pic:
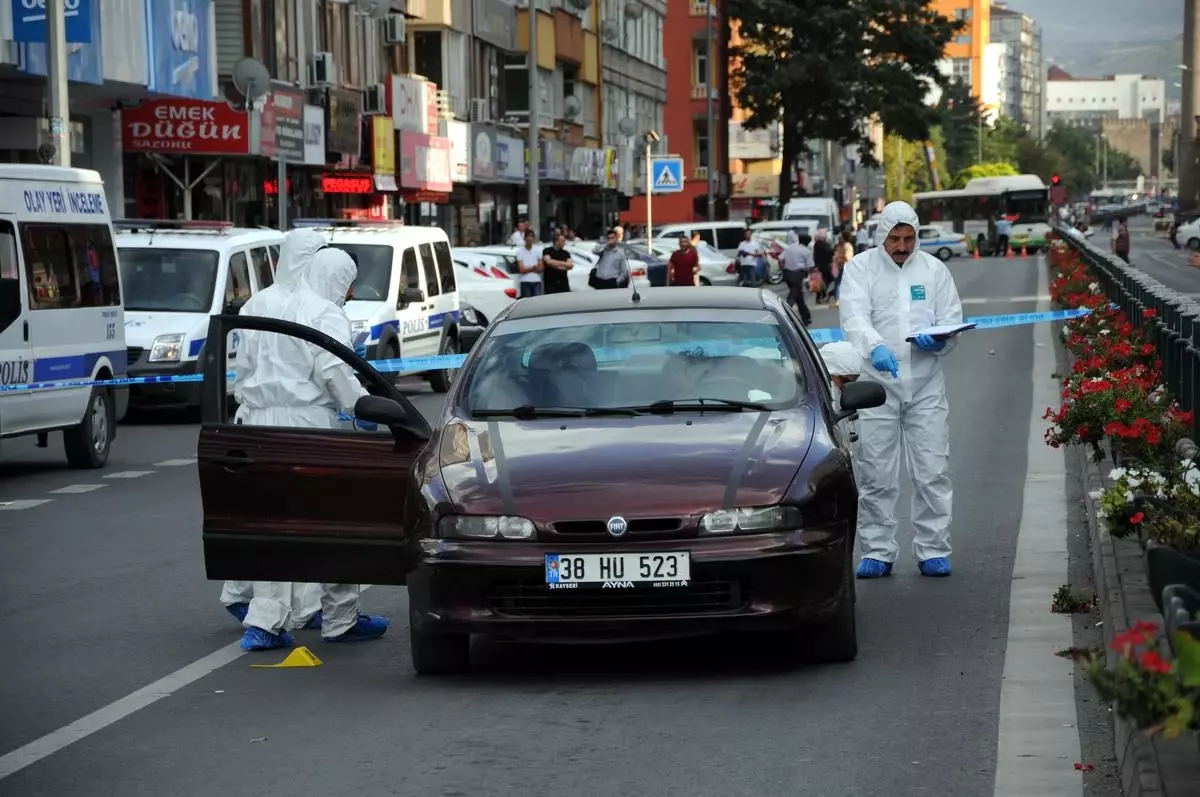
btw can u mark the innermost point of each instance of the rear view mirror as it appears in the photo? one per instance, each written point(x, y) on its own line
point(378, 409)
point(861, 395)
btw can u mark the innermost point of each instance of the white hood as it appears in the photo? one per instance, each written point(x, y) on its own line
point(894, 214)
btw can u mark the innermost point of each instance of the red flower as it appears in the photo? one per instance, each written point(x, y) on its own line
point(1147, 349)
point(1083, 433)
point(1153, 662)
point(1124, 405)
point(1137, 517)
point(1149, 312)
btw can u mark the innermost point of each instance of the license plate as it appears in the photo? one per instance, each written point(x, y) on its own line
point(618, 570)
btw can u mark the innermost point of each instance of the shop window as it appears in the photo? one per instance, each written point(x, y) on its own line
point(262, 266)
point(237, 285)
point(432, 283)
point(445, 266)
point(409, 273)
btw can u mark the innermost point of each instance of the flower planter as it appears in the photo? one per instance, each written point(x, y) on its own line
point(1166, 566)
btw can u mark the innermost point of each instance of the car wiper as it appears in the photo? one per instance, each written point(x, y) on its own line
point(528, 411)
point(667, 406)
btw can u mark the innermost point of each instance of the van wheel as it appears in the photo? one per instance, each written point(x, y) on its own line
point(391, 351)
point(441, 381)
point(88, 443)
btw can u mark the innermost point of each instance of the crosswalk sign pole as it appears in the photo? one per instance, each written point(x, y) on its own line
point(649, 197)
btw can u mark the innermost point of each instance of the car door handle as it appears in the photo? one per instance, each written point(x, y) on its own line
point(234, 459)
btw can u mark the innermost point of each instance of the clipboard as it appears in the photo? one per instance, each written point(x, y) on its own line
point(942, 332)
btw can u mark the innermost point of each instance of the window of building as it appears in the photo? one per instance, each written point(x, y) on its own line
point(963, 14)
point(964, 39)
point(700, 137)
point(516, 84)
point(700, 65)
point(960, 70)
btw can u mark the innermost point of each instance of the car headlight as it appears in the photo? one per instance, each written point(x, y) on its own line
point(750, 520)
point(470, 317)
point(486, 527)
point(166, 349)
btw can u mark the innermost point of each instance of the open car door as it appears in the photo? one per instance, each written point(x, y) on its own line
point(286, 503)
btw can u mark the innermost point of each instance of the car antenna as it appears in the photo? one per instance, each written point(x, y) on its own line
point(637, 297)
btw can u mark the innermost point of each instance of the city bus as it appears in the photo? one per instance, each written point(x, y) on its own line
point(1023, 199)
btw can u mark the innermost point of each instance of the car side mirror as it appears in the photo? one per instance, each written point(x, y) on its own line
point(413, 296)
point(861, 396)
point(378, 409)
point(232, 307)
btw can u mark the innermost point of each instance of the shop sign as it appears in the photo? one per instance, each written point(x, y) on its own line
point(288, 104)
point(553, 164)
point(459, 135)
point(408, 101)
point(314, 135)
point(495, 22)
point(483, 153)
point(425, 162)
point(264, 124)
point(343, 128)
point(179, 47)
point(29, 20)
point(383, 152)
point(192, 127)
point(347, 184)
point(755, 185)
point(580, 164)
point(510, 159)
point(85, 61)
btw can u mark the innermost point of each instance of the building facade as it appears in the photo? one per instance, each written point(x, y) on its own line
point(967, 52)
point(1024, 75)
point(1089, 102)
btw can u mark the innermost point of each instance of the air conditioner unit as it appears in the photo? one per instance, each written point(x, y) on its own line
point(445, 108)
point(375, 100)
point(394, 29)
point(481, 110)
point(321, 71)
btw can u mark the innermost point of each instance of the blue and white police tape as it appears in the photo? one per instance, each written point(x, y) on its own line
point(413, 365)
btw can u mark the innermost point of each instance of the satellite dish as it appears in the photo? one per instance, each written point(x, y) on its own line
point(373, 9)
point(571, 107)
point(250, 82)
point(611, 29)
point(627, 126)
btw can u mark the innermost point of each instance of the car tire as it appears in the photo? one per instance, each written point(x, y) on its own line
point(1194, 244)
point(944, 254)
point(439, 654)
point(88, 443)
point(836, 640)
point(775, 277)
point(441, 381)
point(391, 351)
point(704, 283)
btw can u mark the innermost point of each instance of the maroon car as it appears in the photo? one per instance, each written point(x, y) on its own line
point(608, 465)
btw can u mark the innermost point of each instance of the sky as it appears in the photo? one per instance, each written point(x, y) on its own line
point(1065, 22)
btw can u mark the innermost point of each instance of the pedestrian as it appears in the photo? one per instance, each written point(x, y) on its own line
point(823, 257)
point(889, 294)
point(284, 381)
point(862, 239)
point(556, 262)
point(530, 267)
point(796, 260)
point(748, 253)
point(684, 265)
point(1120, 239)
point(612, 270)
point(517, 239)
point(1003, 230)
point(843, 253)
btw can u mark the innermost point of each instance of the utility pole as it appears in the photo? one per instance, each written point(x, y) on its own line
point(1186, 166)
point(711, 171)
point(534, 201)
point(56, 79)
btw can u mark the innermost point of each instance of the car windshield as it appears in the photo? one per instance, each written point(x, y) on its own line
point(607, 361)
point(168, 280)
point(817, 219)
point(374, 263)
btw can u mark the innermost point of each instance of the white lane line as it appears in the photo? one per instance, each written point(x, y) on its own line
point(25, 503)
point(175, 463)
point(76, 489)
point(128, 474)
point(1038, 740)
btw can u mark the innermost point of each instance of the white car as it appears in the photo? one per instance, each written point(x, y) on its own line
point(582, 253)
point(486, 293)
point(1189, 235)
point(941, 242)
point(716, 268)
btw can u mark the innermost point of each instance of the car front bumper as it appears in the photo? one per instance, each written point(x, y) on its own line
point(738, 583)
point(164, 394)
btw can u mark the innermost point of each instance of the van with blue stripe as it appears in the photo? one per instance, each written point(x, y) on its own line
point(61, 313)
point(404, 302)
point(176, 275)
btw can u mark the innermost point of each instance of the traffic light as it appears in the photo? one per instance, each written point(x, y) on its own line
point(1055, 180)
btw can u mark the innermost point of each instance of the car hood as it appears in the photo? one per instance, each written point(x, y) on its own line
point(652, 466)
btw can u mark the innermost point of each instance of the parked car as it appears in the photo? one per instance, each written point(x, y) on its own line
point(716, 268)
point(515, 514)
point(942, 242)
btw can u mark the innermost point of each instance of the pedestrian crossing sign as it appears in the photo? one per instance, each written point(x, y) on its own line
point(667, 174)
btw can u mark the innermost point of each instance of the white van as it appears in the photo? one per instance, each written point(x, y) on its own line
point(823, 211)
point(176, 275)
point(61, 318)
point(405, 300)
point(724, 236)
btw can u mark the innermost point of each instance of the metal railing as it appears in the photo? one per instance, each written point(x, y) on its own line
point(1175, 328)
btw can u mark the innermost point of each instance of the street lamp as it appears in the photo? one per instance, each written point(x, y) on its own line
point(651, 138)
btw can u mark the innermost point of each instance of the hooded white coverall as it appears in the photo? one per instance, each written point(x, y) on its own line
point(284, 381)
point(883, 303)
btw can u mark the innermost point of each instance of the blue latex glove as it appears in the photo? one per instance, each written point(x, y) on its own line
point(929, 343)
point(884, 361)
point(366, 426)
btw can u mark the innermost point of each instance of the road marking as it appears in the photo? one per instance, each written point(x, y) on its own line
point(129, 474)
point(25, 503)
point(1038, 736)
point(175, 463)
point(75, 489)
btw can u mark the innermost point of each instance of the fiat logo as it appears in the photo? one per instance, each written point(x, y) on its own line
point(617, 526)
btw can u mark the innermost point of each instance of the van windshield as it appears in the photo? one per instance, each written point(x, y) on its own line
point(818, 220)
point(168, 280)
point(374, 263)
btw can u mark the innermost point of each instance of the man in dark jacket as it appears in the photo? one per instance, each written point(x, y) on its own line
point(823, 259)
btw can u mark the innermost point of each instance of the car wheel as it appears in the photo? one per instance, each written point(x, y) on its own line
point(775, 277)
point(441, 381)
point(439, 654)
point(944, 254)
point(88, 443)
point(1194, 244)
point(836, 640)
point(704, 283)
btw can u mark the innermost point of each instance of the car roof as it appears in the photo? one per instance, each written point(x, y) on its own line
point(228, 238)
point(383, 234)
point(711, 298)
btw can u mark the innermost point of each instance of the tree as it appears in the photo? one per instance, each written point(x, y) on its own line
point(904, 166)
point(823, 68)
point(961, 120)
point(993, 169)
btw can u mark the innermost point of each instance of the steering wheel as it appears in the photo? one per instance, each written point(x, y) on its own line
point(187, 302)
point(727, 387)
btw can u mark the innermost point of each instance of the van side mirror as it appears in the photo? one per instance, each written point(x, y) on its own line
point(861, 395)
point(378, 409)
point(234, 306)
point(413, 296)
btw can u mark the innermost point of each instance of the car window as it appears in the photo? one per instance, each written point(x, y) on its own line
point(262, 266)
point(70, 265)
point(445, 266)
point(608, 360)
point(274, 254)
point(729, 237)
point(432, 283)
point(237, 285)
point(410, 274)
point(374, 264)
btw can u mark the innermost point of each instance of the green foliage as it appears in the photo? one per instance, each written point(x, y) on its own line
point(962, 125)
point(913, 175)
point(993, 169)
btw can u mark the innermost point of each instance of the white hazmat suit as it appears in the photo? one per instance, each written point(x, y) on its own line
point(883, 303)
point(284, 381)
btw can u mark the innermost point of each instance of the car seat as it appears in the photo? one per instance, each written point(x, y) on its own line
point(563, 374)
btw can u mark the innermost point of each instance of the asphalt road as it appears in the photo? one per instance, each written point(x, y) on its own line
point(105, 595)
point(1152, 252)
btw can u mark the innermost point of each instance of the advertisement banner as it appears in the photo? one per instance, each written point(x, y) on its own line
point(408, 102)
point(552, 165)
point(85, 62)
point(459, 135)
point(383, 152)
point(510, 159)
point(193, 127)
point(29, 21)
point(179, 48)
point(343, 129)
point(262, 130)
point(483, 153)
point(288, 104)
point(755, 185)
point(314, 135)
point(425, 162)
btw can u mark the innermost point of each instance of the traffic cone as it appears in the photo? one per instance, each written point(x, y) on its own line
point(1010, 251)
point(1024, 252)
point(977, 255)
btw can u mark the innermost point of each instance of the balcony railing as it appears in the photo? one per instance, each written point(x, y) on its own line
point(697, 8)
point(700, 173)
point(699, 92)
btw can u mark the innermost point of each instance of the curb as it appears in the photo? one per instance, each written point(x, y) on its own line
point(1148, 766)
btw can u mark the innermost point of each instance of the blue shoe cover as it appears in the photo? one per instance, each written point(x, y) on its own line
point(873, 568)
point(238, 610)
point(258, 639)
point(367, 627)
point(937, 567)
point(314, 622)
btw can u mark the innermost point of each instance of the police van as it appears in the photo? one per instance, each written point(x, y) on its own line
point(61, 318)
point(404, 302)
point(176, 275)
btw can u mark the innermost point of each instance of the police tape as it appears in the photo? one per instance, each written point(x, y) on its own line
point(416, 365)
